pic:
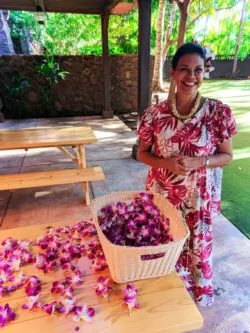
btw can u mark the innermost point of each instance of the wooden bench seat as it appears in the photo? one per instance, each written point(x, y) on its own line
point(47, 178)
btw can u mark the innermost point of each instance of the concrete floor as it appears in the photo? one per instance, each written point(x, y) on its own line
point(64, 203)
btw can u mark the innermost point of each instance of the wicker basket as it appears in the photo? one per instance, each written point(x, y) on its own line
point(125, 262)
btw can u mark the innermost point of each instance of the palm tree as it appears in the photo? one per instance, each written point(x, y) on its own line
point(239, 39)
point(157, 84)
point(183, 7)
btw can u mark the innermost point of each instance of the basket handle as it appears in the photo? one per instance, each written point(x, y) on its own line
point(152, 256)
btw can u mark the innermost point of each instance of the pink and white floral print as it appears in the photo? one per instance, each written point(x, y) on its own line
point(198, 193)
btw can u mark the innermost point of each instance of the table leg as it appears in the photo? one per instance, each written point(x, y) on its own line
point(81, 156)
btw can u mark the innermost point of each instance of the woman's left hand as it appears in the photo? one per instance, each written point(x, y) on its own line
point(193, 162)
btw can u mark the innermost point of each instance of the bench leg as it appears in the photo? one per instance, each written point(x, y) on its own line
point(80, 153)
point(85, 188)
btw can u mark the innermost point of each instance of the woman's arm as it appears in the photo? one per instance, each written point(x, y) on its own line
point(171, 163)
point(223, 156)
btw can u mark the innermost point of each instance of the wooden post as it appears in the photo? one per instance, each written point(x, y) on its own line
point(144, 76)
point(107, 112)
point(81, 157)
point(144, 55)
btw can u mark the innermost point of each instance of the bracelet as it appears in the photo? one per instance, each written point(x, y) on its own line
point(206, 164)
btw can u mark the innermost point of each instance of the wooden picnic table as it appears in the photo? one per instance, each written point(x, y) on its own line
point(45, 137)
point(166, 306)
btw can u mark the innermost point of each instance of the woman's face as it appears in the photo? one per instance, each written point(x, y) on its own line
point(188, 74)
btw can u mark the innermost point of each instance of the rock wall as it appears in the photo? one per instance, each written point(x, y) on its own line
point(81, 93)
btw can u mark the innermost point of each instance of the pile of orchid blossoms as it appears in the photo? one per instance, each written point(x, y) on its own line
point(58, 249)
point(136, 222)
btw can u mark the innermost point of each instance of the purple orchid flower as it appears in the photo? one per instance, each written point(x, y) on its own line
point(50, 308)
point(83, 313)
point(103, 287)
point(75, 278)
point(6, 315)
point(130, 297)
point(32, 302)
point(57, 287)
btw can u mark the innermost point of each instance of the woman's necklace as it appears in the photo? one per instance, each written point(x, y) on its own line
point(192, 112)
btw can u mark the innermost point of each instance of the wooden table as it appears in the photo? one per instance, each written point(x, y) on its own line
point(59, 137)
point(166, 306)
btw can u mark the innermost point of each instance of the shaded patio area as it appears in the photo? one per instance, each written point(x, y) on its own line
point(64, 203)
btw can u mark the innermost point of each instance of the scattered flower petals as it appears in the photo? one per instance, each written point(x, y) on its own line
point(57, 288)
point(68, 267)
point(83, 313)
point(185, 276)
point(103, 287)
point(64, 246)
point(99, 263)
point(130, 297)
point(67, 305)
point(32, 303)
point(75, 278)
point(33, 286)
point(6, 314)
point(68, 292)
point(50, 308)
point(3, 291)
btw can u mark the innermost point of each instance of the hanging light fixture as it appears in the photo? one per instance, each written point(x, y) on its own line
point(124, 7)
point(40, 15)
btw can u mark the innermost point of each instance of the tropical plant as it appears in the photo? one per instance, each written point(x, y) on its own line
point(22, 22)
point(16, 87)
point(50, 71)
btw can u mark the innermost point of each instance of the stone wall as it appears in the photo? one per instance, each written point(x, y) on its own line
point(81, 93)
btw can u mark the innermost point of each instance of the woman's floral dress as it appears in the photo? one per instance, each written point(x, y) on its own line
point(198, 193)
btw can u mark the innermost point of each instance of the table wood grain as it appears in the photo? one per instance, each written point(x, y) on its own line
point(39, 137)
point(166, 306)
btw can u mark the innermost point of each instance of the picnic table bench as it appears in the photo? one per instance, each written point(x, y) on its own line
point(45, 137)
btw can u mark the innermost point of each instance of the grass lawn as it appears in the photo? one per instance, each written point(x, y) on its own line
point(236, 177)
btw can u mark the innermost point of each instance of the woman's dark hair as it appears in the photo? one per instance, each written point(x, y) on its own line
point(188, 48)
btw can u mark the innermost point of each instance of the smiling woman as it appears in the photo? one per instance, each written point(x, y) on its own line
point(186, 140)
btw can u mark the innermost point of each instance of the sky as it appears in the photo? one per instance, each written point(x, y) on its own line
point(215, 20)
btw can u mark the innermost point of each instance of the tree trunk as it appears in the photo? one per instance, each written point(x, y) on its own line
point(169, 42)
point(183, 7)
point(157, 82)
point(165, 51)
point(242, 19)
point(182, 28)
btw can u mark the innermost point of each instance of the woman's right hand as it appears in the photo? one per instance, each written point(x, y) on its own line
point(174, 164)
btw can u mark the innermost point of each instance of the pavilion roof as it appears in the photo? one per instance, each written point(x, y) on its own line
point(65, 6)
